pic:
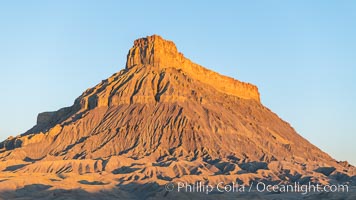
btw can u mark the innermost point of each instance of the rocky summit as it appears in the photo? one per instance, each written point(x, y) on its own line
point(161, 119)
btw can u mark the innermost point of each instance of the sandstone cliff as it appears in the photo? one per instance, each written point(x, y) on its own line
point(155, 51)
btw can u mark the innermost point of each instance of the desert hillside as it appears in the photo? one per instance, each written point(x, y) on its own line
point(161, 119)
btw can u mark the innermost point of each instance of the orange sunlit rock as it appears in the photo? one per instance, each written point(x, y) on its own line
point(161, 119)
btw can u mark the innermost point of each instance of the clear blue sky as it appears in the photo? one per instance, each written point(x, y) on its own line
point(301, 55)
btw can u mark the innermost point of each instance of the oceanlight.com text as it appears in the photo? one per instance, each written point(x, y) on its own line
point(201, 187)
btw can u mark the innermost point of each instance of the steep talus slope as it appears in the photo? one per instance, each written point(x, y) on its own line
point(163, 118)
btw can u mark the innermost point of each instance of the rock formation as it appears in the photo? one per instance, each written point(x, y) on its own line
point(164, 118)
